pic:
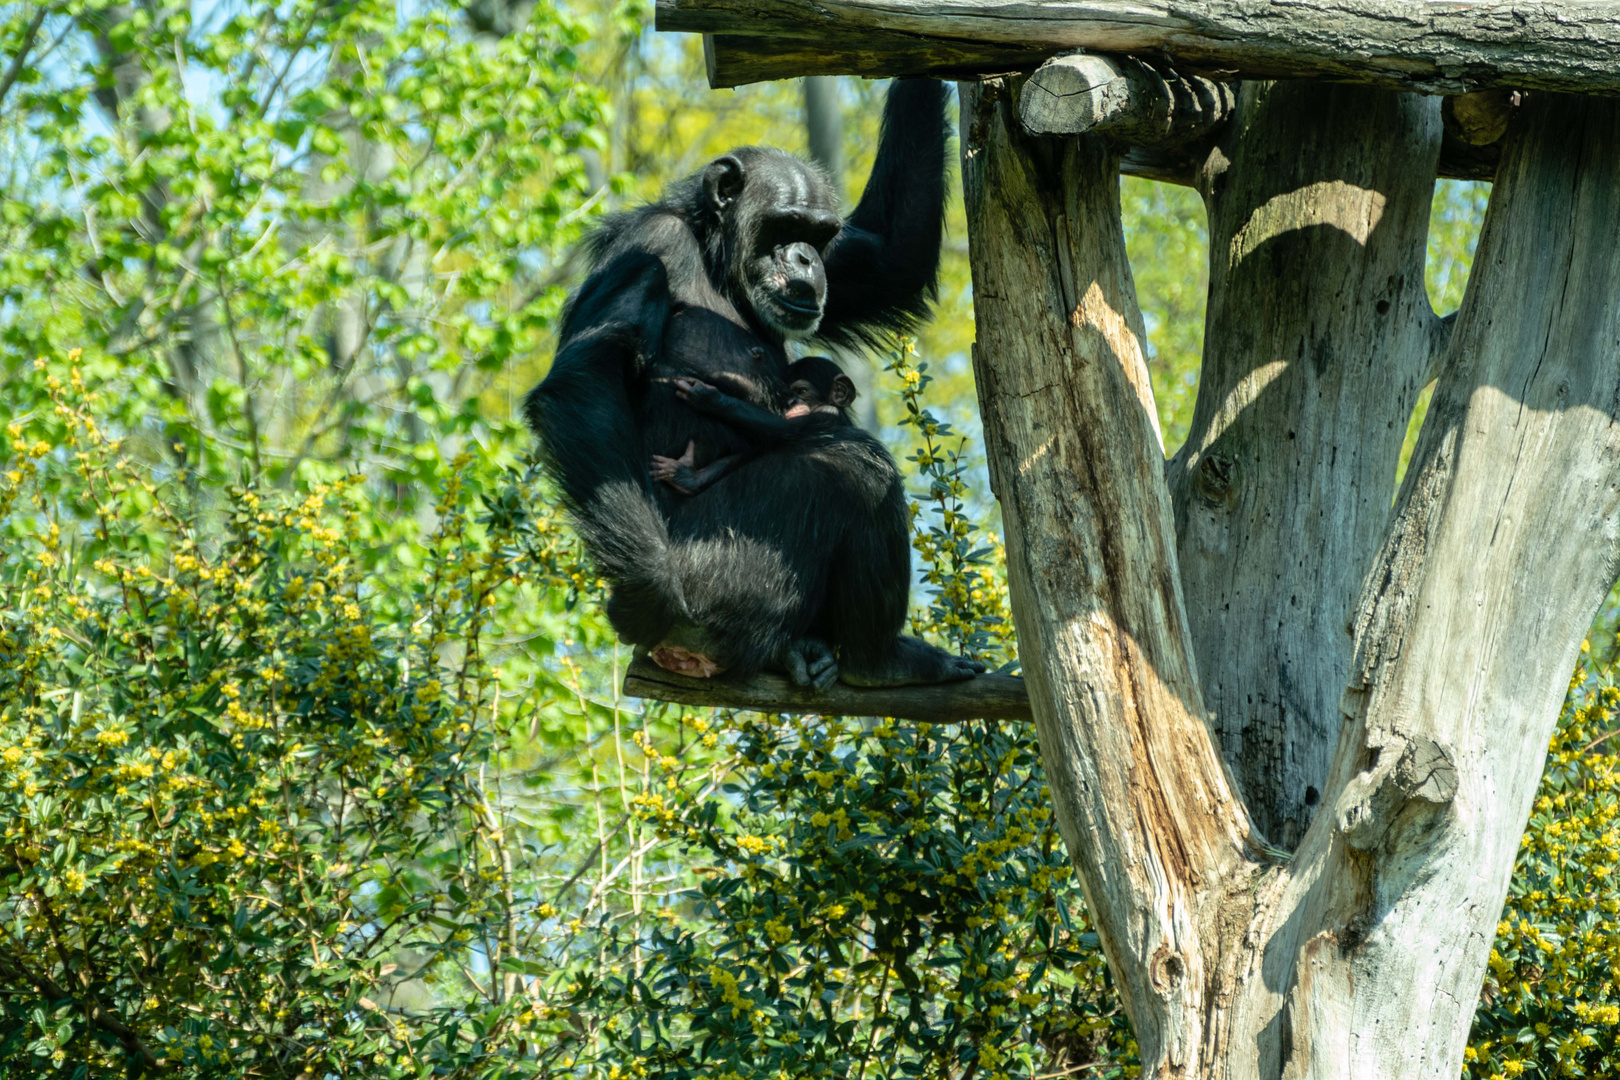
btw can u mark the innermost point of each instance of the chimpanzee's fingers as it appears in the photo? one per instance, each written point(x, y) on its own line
point(798, 671)
point(828, 676)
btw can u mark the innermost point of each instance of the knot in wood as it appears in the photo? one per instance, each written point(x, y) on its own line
point(1411, 790)
point(1215, 481)
point(1167, 970)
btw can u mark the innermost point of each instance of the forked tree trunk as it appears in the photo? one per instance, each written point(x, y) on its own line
point(1319, 337)
point(1384, 680)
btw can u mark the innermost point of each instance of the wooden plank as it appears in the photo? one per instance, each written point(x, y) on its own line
point(1434, 46)
point(740, 59)
point(987, 697)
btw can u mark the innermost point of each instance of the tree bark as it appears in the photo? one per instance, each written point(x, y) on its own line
point(1318, 338)
point(1505, 541)
point(1438, 687)
point(1130, 101)
point(1142, 796)
point(824, 127)
point(1433, 47)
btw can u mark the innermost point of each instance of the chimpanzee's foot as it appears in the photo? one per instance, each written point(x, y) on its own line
point(683, 662)
point(909, 662)
point(810, 662)
point(685, 651)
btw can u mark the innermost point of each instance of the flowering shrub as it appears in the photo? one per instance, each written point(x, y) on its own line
point(243, 812)
point(272, 804)
point(1551, 1003)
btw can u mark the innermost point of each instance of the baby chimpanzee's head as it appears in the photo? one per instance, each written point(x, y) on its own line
point(818, 384)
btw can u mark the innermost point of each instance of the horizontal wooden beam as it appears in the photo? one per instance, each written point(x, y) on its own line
point(986, 697)
point(1433, 46)
point(740, 59)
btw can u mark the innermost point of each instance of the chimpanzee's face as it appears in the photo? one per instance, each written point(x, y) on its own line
point(779, 215)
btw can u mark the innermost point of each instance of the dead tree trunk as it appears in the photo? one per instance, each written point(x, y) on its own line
point(1384, 681)
point(1318, 339)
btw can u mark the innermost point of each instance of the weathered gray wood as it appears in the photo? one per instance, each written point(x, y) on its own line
point(1122, 97)
point(1143, 800)
point(1180, 164)
point(1506, 539)
point(1362, 957)
point(1435, 46)
point(1318, 340)
point(987, 697)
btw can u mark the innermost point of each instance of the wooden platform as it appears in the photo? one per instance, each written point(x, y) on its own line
point(985, 697)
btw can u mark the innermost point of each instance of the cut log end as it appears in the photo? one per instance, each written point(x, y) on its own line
point(985, 697)
point(1131, 100)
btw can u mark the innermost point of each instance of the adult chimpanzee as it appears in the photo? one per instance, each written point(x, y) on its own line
point(819, 401)
point(801, 550)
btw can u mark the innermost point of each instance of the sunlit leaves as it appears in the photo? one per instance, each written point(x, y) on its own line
point(1551, 1004)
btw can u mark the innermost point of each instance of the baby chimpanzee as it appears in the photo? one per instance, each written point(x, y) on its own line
point(822, 395)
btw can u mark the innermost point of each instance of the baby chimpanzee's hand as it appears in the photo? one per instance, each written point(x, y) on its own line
point(697, 393)
point(676, 472)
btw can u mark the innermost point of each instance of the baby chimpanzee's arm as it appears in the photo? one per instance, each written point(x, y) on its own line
point(679, 474)
point(764, 429)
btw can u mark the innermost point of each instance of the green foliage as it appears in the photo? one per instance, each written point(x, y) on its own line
point(1551, 1003)
point(872, 899)
point(309, 235)
point(1167, 239)
point(243, 789)
point(312, 755)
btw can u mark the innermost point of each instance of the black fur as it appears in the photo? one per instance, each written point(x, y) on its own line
point(806, 539)
point(821, 393)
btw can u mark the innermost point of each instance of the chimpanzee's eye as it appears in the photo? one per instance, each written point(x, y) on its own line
point(813, 227)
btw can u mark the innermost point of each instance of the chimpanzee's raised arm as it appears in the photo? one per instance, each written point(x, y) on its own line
point(883, 266)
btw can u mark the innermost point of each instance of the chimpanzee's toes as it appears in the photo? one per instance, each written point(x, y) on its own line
point(908, 661)
point(810, 662)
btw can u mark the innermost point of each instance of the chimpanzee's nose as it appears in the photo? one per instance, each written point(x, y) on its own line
point(804, 281)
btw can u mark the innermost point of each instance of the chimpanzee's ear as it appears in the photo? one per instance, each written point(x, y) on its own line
point(722, 182)
point(843, 391)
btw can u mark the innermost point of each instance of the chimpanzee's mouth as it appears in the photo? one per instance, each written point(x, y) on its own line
point(809, 311)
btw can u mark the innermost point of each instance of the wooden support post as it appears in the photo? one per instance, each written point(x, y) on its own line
point(1143, 800)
